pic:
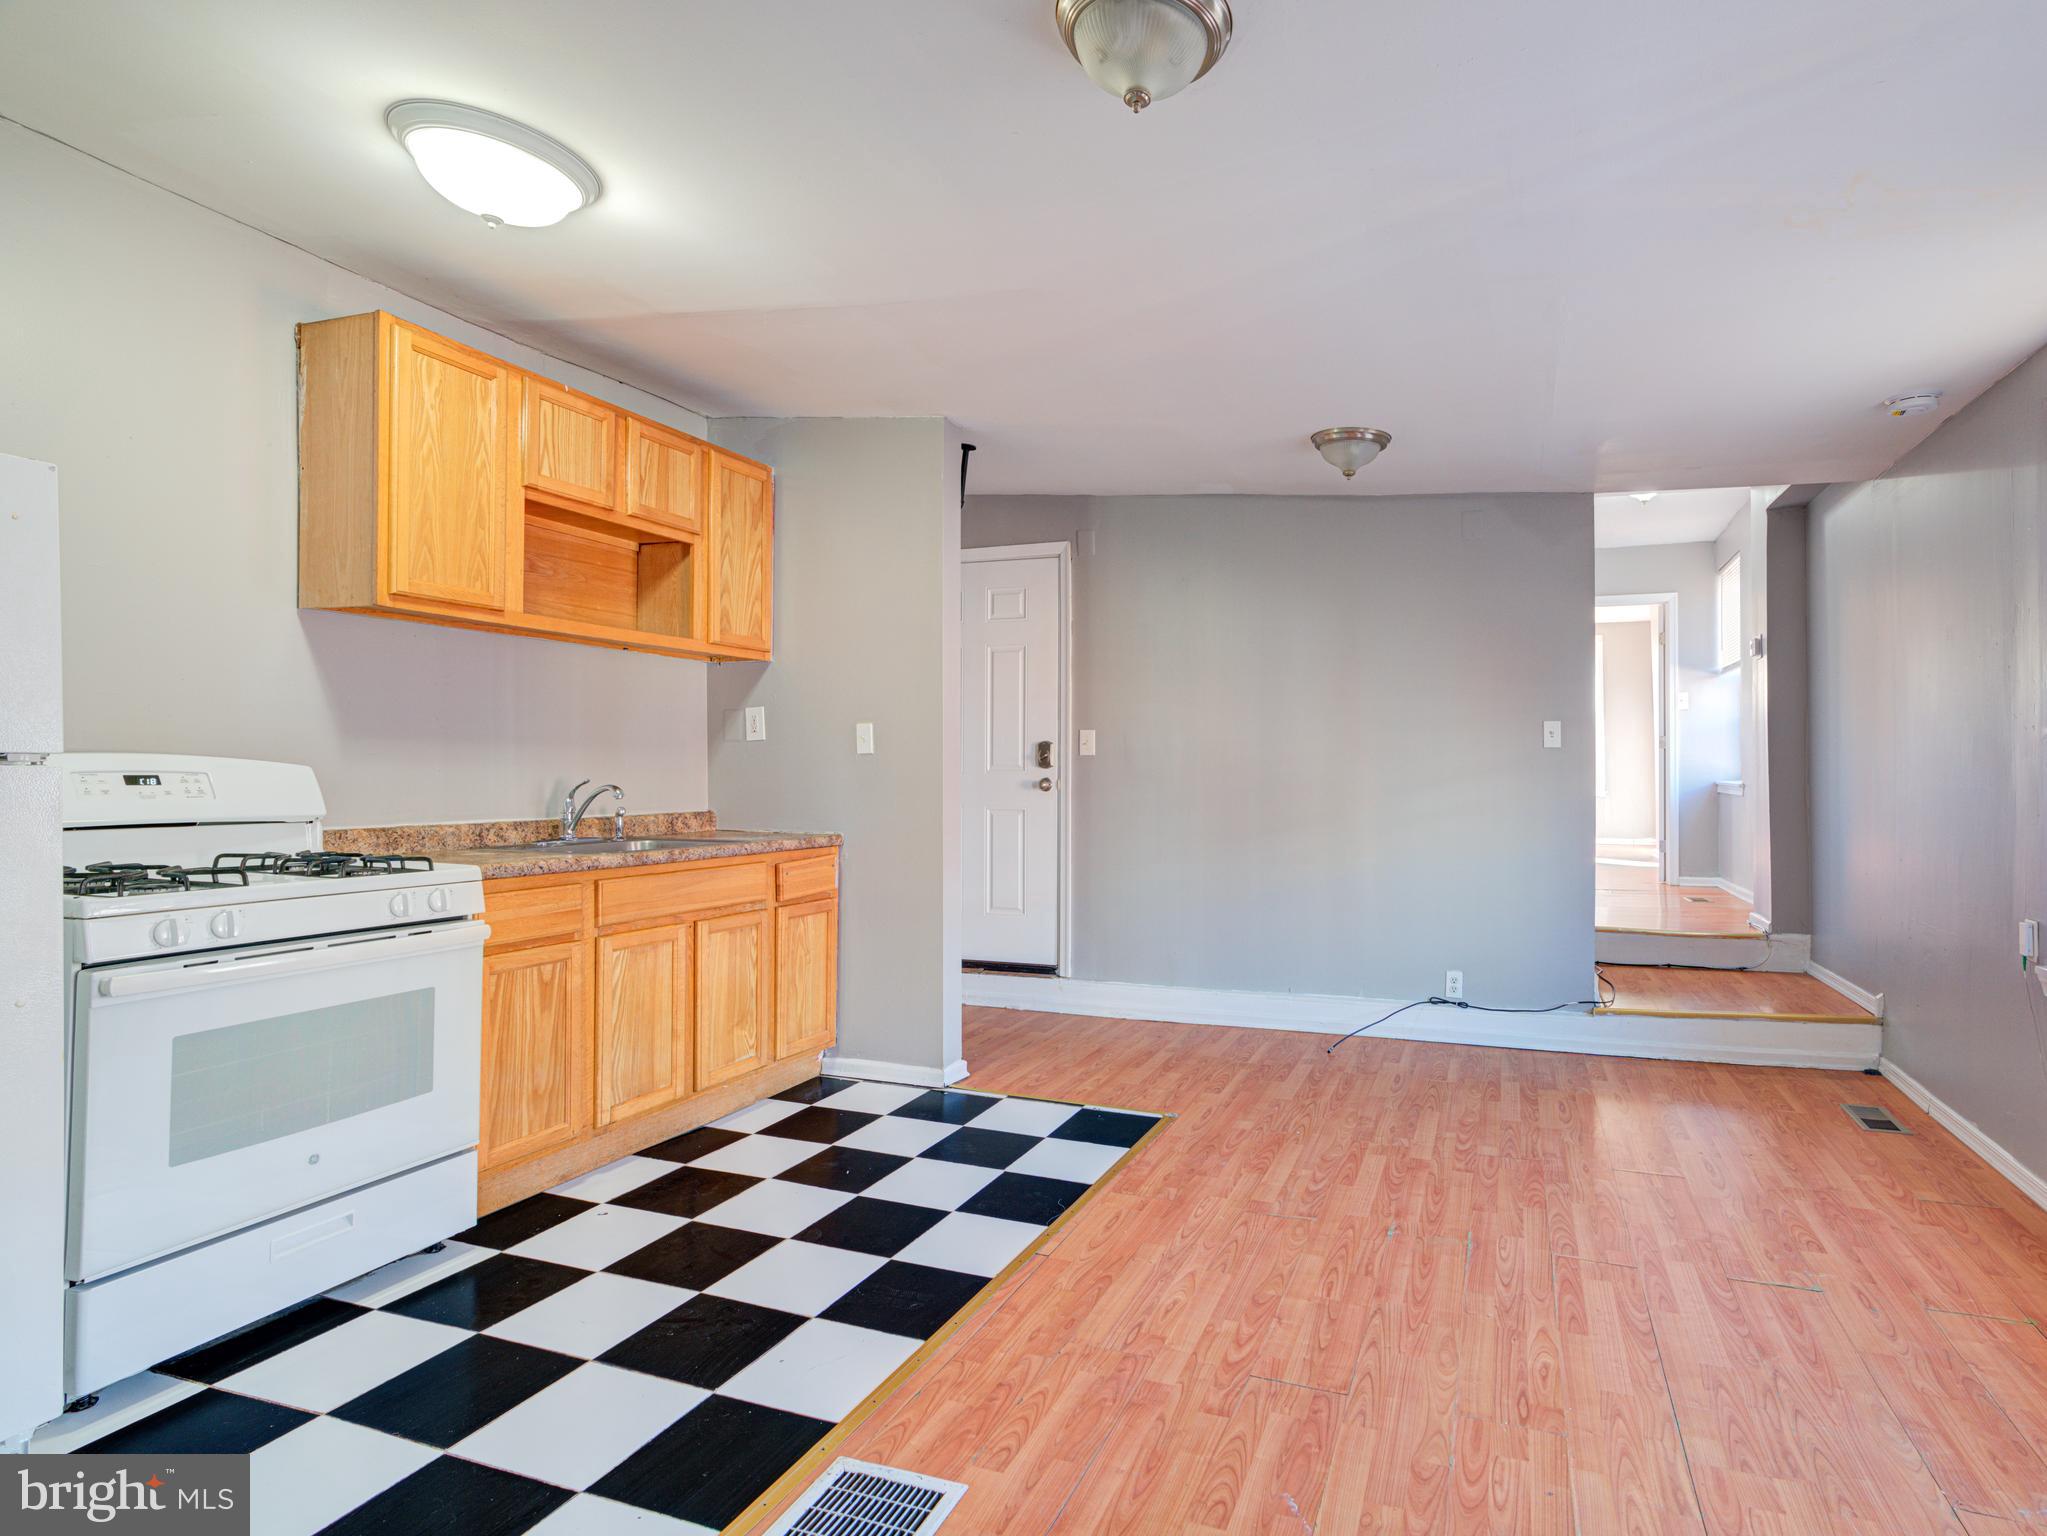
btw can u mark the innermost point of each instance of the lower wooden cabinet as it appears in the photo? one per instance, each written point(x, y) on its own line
point(643, 1012)
point(536, 1050)
point(617, 999)
point(806, 976)
point(733, 981)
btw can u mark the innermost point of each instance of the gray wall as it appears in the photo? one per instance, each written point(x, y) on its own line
point(1627, 810)
point(1785, 703)
point(149, 355)
point(1320, 761)
point(866, 629)
point(1925, 629)
point(1709, 729)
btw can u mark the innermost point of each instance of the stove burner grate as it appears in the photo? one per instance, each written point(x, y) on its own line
point(315, 865)
point(140, 879)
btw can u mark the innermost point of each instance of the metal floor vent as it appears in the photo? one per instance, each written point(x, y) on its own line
point(858, 1498)
point(1870, 1118)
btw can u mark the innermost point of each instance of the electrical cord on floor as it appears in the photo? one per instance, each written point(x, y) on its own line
point(1458, 1002)
point(1763, 964)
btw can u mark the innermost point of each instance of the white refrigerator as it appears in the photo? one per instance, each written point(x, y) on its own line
point(32, 1078)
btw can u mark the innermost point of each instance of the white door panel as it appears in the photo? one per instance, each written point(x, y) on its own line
point(1011, 630)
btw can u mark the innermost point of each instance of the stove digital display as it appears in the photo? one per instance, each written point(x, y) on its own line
point(141, 778)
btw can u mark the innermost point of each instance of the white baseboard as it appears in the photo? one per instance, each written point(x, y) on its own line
point(1751, 1042)
point(1873, 1001)
point(1739, 892)
point(1967, 1132)
point(892, 1071)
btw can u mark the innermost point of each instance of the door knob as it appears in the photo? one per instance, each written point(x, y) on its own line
point(1045, 785)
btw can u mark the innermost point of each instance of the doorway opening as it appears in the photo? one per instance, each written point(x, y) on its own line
point(1635, 822)
point(1016, 606)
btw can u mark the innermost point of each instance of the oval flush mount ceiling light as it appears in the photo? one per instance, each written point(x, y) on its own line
point(500, 170)
point(1350, 449)
point(1142, 51)
point(1644, 497)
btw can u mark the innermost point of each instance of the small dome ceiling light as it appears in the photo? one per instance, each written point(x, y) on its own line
point(1925, 401)
point(1142, 51)
point(1350, 449)
point(491, 166)
point(1644, 497)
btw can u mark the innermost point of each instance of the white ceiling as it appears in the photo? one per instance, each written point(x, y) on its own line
point(1674, 517)
point(1593, 244)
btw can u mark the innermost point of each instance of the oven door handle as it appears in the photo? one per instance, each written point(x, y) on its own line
point(191, 978)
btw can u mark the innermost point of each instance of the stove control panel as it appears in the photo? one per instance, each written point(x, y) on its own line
point(141, 787)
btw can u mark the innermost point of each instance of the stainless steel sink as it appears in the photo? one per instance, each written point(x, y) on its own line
point(631, 844)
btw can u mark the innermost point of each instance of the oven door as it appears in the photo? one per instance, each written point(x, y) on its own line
point(214, 1091)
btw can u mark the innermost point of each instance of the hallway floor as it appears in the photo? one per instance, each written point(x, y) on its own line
point(1426, 1288)
point(1630, 897)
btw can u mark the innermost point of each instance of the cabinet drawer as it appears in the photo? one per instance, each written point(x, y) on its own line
point(535, 913)
point(800, 879)
point(630, 898)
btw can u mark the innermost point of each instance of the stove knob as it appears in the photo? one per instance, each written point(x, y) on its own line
point(226, 925)
point(166, 933)
point(437, 898)
point(401, 904)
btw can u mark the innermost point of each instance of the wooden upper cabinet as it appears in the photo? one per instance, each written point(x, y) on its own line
point(742, 544)
point(734, 982)
point(450, 468)
point(536, 1051)
point(571, 444)
point(442, 484)
point(643, 1012)
point(806, 976)
point(664, 476)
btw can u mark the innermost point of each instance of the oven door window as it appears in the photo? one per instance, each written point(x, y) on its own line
point(243, 1084)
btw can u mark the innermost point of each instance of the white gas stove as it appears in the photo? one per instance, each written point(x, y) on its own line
point(273, 1052)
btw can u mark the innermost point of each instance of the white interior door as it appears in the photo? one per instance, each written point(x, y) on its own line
point(1012, 779)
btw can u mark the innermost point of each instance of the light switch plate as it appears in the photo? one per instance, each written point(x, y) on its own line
point(1684, 701)
point(863, 738)
point(1552, 733)
point(1087, 743)
point(756, 722)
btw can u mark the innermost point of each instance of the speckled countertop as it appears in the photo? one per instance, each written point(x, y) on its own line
point(491, 845)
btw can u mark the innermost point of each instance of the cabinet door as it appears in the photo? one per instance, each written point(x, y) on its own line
point(643, 983)
point(806, 977)
point(536, 1050)
point(571, 444)
point(742, 539)
point(450, 492)
point(664, 476)
point(733, 982)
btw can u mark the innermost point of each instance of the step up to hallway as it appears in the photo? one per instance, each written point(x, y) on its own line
point(1751, 949)
point(1683, 992)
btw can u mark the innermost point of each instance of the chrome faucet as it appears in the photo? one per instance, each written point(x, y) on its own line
point(572, 813)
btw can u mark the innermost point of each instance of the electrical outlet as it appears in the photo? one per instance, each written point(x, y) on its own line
point(1552, 733)
point(863, 738)
point(1453, 984)
point(2029, 943)
point(1087, 743)
point(756, 722)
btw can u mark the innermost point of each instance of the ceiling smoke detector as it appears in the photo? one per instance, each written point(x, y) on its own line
point(1913, 405)
point(1142, 51)
point(500, 170)
point(1350, 449)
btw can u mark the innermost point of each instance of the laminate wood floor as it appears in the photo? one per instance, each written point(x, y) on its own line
point(1691, 992)
point(1420, 1288)
point(1628, 897)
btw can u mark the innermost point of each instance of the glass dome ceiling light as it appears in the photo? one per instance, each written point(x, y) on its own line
point(1142, 51)
point(491, 166)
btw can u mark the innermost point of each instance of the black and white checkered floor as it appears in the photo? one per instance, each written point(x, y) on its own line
point(647, 1347)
